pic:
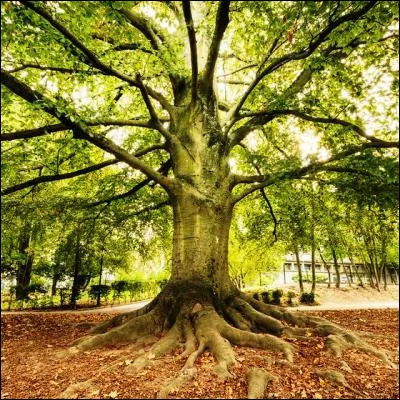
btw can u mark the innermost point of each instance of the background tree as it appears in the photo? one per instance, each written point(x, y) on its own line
point(155, 71)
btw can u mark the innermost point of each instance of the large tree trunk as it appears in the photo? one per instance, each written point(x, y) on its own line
point(200, 244)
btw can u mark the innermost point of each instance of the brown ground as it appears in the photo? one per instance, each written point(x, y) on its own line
point(31, 370)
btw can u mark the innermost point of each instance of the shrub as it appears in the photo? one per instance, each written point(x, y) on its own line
point(307, 298)
point(276, 296)
point(266, 296)
point(119, 287)
point(134, 288)
point(290, 295)
point(103, 290)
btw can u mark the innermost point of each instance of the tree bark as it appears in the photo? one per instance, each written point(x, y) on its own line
point(200, 244)
point(56, 278)
point(336, 265)
point(25, 268)
point(75, 282)
point(313, 284)
point(328, 268)
point(296, 252)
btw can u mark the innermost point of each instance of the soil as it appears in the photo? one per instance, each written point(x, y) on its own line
point(30, 368)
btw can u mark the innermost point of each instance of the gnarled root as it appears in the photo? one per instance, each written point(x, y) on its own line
point(336, 377)
point(193, 319)
point(338, 339)
point(257, 381)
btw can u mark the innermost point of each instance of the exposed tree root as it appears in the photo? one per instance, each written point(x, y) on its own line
point(257, 381)
point(184, 376)
point(194, 321)
point(336, 378)
point(165, 345)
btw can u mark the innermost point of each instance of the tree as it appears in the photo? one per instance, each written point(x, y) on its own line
point(155, 69)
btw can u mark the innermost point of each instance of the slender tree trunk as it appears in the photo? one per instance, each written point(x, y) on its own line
point(100, 273)
point(296, 252)
point(346, 273)
point(397, 277)
point(355, 269)
point(328, 268)
point(336, 265)
point(56, 278)
point(75, 282)
point(374, 272)
point(384, 276)
point(25, 268)
point(313, 264)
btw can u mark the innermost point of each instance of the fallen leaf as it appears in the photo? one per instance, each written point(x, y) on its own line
point(113, 394)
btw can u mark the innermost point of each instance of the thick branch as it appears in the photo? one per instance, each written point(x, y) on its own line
point(163, 170)
point(30, 133)
point(50, 68)
point(221, 23)
point(79, 129)
point(268, 180)
point(237, 70)
point(302, 54)
point(58, 177)
point(336, 121)
point(90, 57)
point(193, 47)
point(154, 121)
point(144, 26)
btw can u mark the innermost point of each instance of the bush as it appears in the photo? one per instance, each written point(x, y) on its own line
point(276, 296)
point(103, 290)
point(266, 296)
point(307, 298)
point(290, 296)
point(119, 287)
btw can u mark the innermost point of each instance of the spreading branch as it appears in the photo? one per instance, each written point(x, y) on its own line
point(268, 115)
point(30, 133)
point(221, 23)
point(301, 54)
point(80, 130)
point(297, 173)
point(187, 12)
point(58, 177)
point(165, 167)
point(154, 119)
point(51, 68)
point(91, 58)
point(145, 26)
